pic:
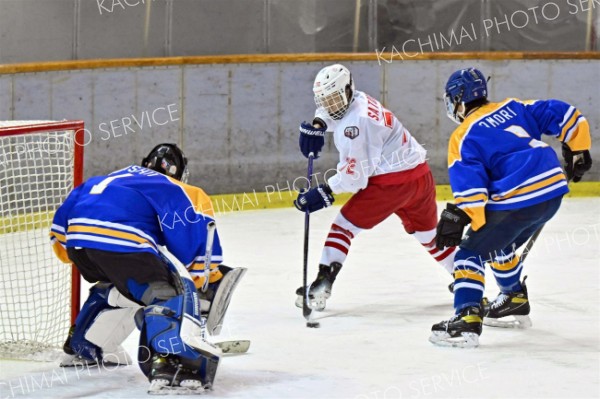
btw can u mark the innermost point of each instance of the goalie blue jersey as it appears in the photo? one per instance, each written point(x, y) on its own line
point(135, 210)
point(496, 160)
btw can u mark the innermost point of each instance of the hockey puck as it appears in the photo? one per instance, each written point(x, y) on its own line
point(313, 324)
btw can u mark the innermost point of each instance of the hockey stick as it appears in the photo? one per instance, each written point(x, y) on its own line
point(210, 235)
point(234, 346)
point(306, 310)
point(533, 239)
point(530, 243)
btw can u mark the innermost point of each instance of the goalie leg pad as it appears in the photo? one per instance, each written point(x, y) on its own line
point(100, 328)
point(76, 343)
point(168, 332)
point(108, 332)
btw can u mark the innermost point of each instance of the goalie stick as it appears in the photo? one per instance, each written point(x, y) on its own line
point(210, 235)
point(233, 346)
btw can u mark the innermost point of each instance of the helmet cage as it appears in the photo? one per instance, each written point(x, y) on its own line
point(336, 103)
point(333, 90)
point(169, 160)
point(453, 107)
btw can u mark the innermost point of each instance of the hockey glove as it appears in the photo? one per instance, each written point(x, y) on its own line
point(450, 227)
point(312, 138)
point(314, 199)
point(576, 163)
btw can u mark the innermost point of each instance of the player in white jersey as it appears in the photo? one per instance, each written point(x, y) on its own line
point(381, 163)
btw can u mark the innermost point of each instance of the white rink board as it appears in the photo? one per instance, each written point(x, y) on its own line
point(373, 337)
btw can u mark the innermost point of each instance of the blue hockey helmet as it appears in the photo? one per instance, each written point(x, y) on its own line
point(169, 160)
point(463, 87)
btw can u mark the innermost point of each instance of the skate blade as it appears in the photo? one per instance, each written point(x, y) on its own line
point(187, 387)
point(316, 304)
point(466, 340)
point(520, 322)
point(76, 361)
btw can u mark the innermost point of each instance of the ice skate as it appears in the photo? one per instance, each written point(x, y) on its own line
point(320, 289)
point(462, 330)
point(510, 310)
point(169, 377)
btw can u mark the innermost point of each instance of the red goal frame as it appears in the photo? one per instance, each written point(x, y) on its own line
point(78, 127)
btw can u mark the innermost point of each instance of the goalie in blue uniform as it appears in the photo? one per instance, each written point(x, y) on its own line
point(144, 236)
point(506, 184)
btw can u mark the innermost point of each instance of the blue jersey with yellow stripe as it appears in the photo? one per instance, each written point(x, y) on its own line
point(496, 160)
point(135, 210)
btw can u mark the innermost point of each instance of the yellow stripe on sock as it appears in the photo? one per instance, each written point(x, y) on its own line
point(505, 266)
point(470, 275)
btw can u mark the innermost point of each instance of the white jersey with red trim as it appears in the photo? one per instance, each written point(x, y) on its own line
point(371, 141)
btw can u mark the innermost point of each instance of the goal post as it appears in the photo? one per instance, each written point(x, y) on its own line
point(40, 163)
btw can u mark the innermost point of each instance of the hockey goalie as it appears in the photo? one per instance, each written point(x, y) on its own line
point(147, 240)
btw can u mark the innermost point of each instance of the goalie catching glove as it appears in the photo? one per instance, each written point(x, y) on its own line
point(450, 227)
point(314, 199)
point(576, 163)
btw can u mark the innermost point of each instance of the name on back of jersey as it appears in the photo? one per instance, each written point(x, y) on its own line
point(499, 117)
point(142, 171)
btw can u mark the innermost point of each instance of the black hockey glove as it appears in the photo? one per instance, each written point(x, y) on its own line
point(576, 162)
point(314, 199)
point(450, 227)
point(312, 138)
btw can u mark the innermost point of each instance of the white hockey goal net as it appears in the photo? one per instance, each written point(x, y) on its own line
point(40, 163)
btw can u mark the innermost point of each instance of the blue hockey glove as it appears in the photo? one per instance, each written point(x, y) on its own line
point(576, 163)
point(450, 227)
point(314, 199)
point(312, 138)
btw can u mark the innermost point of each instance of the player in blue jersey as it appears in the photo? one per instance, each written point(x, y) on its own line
point(114, 229)
point(506, 184)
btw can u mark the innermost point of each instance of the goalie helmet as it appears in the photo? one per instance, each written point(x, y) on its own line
point(334, 89)
point(169, 160)
point(463, 87)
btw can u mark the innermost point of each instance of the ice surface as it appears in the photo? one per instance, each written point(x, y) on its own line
point(373, 337)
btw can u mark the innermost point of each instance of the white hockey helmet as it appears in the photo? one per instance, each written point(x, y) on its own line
point(334, 89)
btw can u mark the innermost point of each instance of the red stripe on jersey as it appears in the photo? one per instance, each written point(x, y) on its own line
point(340, 236)
point(445, 254)
point(337, 246)
point(343, 230)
